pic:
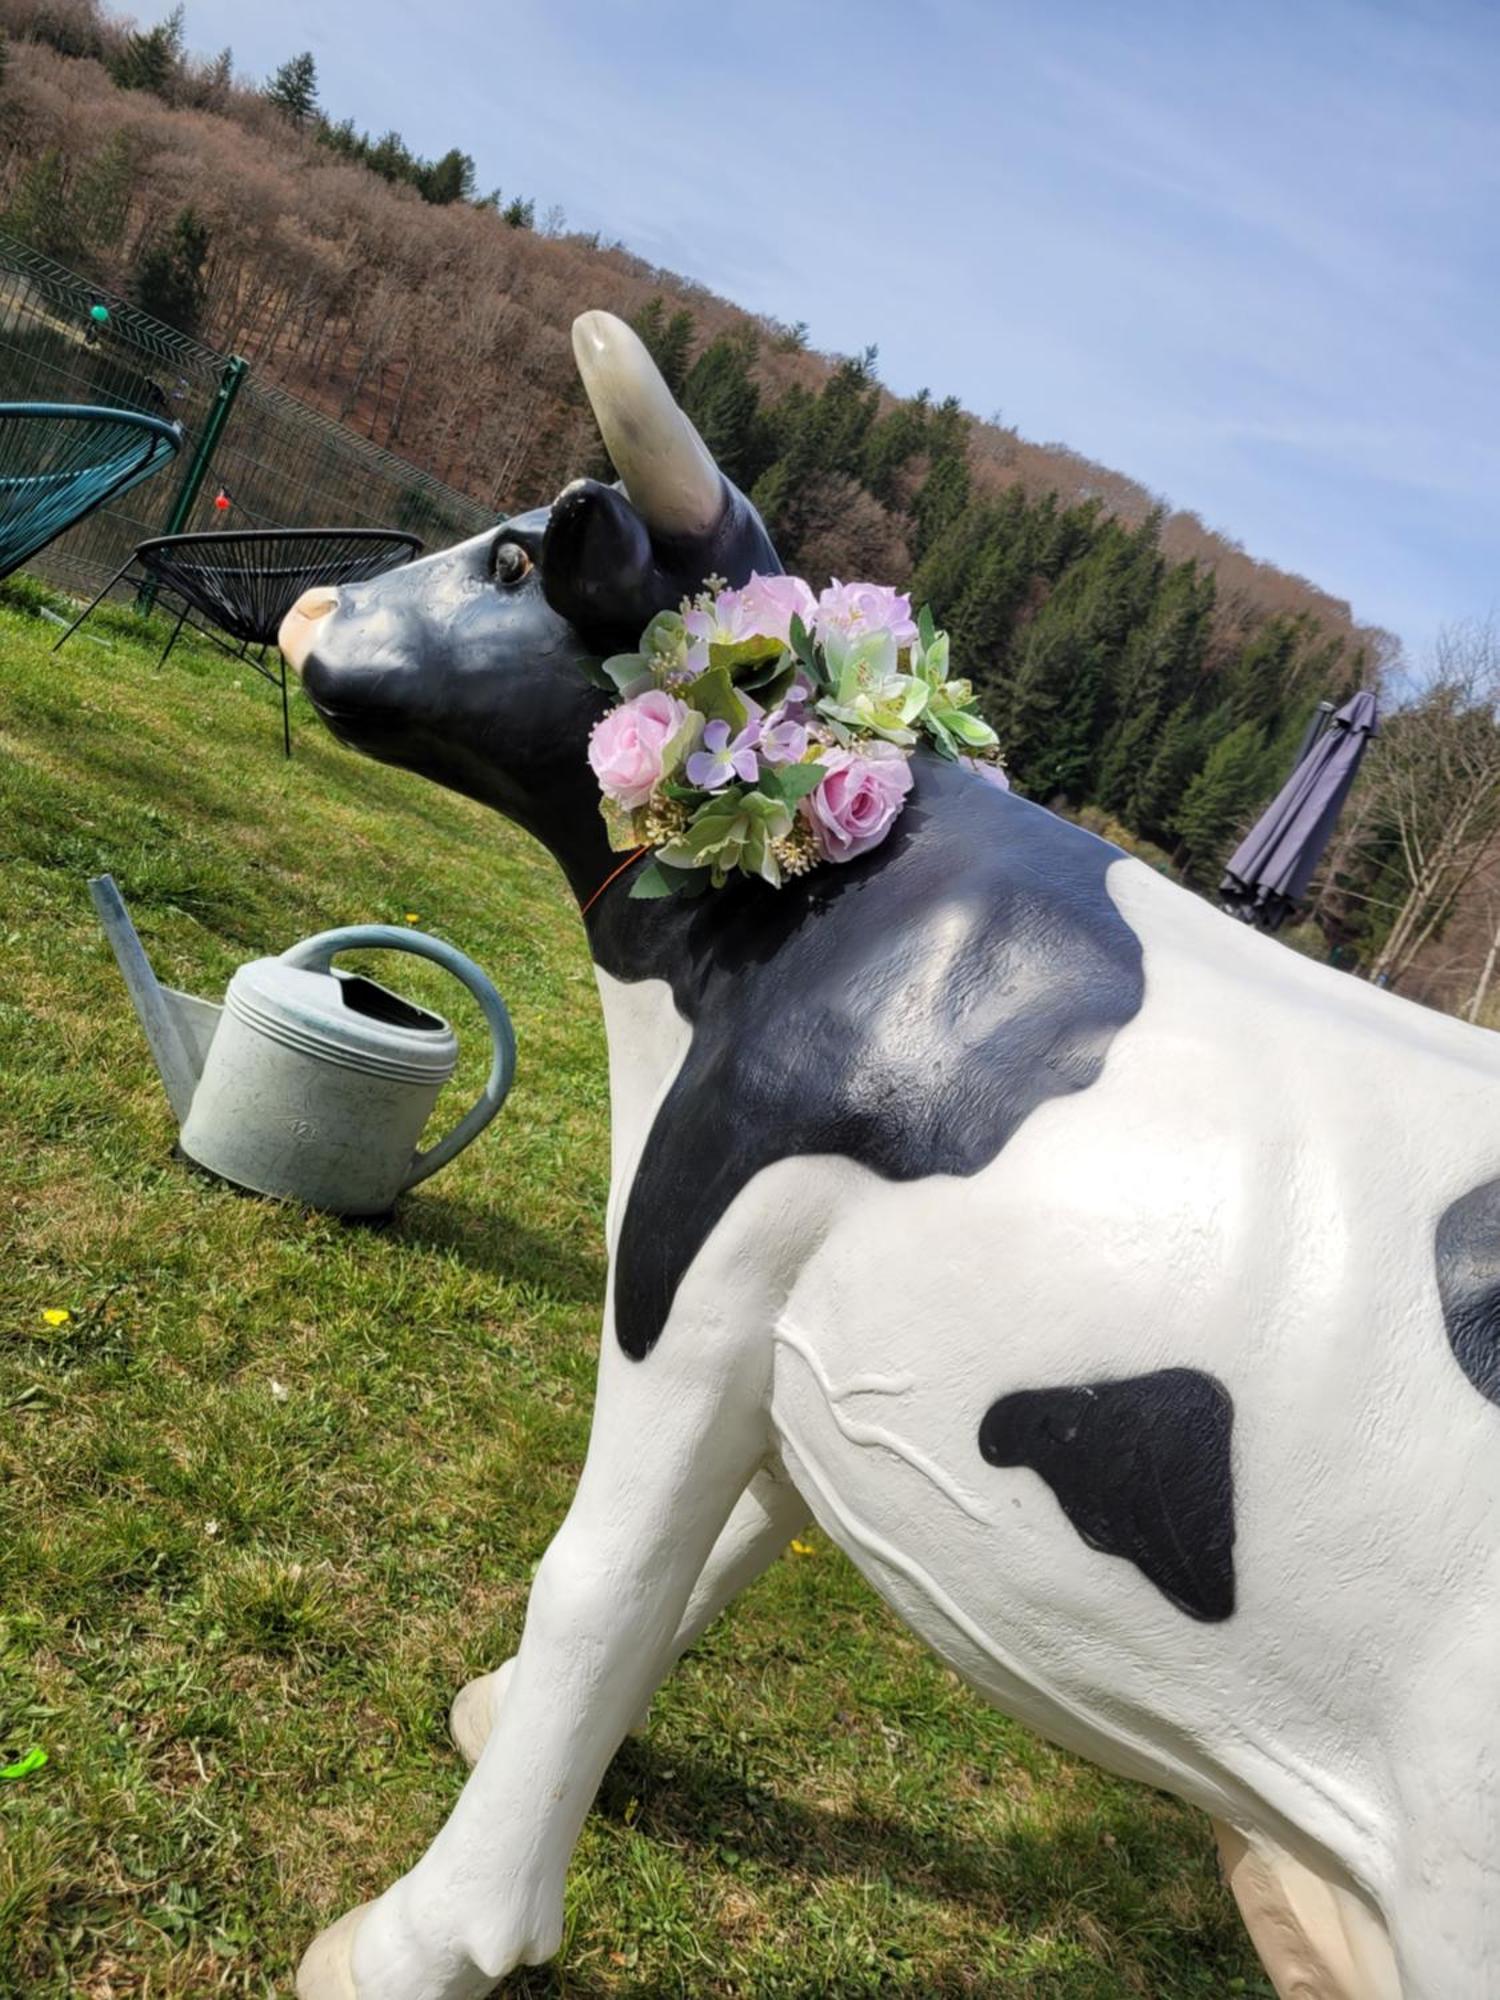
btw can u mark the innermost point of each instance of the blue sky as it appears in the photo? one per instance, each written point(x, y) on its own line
point(1248, 254)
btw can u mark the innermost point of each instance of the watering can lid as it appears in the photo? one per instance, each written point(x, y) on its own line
point(343, 1018)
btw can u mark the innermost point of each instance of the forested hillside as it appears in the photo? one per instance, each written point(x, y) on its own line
point(1135, 664)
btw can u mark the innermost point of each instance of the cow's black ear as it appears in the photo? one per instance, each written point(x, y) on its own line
point(598, 567)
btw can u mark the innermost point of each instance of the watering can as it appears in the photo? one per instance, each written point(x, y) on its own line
point(309, 1084)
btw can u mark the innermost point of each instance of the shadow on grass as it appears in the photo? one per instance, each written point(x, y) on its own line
point(1111, 1866)
point(489, 1240)
point(1037, 1877)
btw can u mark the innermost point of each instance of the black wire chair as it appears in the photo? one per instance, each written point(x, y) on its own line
point(244, 581)
point(60, 461)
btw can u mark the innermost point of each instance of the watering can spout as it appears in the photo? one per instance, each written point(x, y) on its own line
point(179, 1027)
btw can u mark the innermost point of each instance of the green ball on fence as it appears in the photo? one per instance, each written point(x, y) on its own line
point(99, 315)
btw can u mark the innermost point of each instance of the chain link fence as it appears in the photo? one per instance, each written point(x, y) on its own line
point(282, 463)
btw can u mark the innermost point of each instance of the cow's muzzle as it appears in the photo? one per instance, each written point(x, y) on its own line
point(299, 628)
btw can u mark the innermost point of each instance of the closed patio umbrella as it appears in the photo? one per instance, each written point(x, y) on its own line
point(1269, 871)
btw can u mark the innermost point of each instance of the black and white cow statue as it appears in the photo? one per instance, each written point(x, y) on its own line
point(1118, 1289)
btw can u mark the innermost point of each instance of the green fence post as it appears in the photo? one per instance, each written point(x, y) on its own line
point(235, 371)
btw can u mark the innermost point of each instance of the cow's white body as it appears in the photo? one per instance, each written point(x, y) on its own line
point(1255, 1181)
point(1250, 1186)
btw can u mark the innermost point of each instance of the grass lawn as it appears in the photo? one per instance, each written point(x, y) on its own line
point(276, 1486)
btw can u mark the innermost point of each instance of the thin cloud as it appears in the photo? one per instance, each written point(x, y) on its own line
point(1246, 256)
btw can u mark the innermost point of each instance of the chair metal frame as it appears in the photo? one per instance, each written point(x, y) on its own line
point(155, 558)
point(158, 441)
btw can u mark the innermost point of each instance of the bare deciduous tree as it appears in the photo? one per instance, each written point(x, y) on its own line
point(1431, 794)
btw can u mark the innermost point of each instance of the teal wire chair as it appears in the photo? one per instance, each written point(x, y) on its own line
point(59, 461)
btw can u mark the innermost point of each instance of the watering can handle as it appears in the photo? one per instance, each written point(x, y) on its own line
point(316, 954)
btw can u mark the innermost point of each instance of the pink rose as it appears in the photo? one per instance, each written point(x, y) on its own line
point(769, 603)
point(854, 807)
point(627, 748)
point(762, 609)
point(858, 608)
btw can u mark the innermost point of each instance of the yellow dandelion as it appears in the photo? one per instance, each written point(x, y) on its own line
point(803, 1549)
point(411, 916)
point(56, 1315)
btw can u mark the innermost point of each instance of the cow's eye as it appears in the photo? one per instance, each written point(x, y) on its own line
point(511, 562)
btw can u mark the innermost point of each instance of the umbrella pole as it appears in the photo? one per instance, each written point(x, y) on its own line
point(1317, 723)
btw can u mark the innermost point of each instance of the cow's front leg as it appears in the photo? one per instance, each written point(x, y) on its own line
point(766, 1516)
point(675, 1439)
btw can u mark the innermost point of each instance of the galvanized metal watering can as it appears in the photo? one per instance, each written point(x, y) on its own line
point(310, 1084)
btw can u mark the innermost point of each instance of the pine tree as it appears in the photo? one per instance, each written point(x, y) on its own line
point(1123, 754)
point(1258, 680)
point(390, 156)
point(894, 440)
point(41, 210)
point(723, 399)
point(944, 493)
point(1219, 801)
point(810, 442)
point(170, 280)
point(294, 88)
point(217, 80)
point(446, 180)
point(150, 58)
point(667, 339)
point(520, 214)
point(1158, 786)
point(978, 577)
point(103, 192)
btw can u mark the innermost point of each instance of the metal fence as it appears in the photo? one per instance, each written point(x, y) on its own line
point(283, 463)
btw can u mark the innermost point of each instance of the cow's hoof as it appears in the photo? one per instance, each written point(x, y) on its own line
point(327, 1968)
point(474, 1709)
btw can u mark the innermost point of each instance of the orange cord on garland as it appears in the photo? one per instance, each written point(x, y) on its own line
point(614, 876)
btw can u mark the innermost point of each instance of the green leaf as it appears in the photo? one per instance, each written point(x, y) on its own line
point(653, 881)
point(737, 653)
point(713, 695)
point(758, 858)
point(665, 638)
point(681, 744)
point(630, 673)
point(971, 730)
point(806, 654)
point(593, 670)
point(657, 879)
point(773, 693)
point(620, 826)
point(777, 673)
point(797, 780)
point(926, 629)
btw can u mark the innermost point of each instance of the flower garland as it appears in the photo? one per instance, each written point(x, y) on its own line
point(762, 731)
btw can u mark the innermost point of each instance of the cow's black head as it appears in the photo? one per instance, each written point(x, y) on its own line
point(471, 667)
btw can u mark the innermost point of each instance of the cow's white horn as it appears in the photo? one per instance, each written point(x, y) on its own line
point(666, 468)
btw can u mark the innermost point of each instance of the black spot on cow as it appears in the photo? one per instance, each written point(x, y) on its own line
point(1141, 1467)
point(907, 1011)
point(1468, 1275)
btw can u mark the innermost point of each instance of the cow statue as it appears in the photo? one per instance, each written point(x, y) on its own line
point(1118, 1289)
